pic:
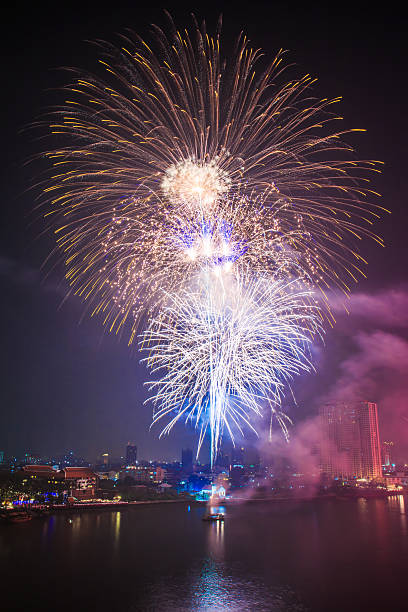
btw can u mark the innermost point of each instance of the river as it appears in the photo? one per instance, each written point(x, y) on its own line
point(328, 555)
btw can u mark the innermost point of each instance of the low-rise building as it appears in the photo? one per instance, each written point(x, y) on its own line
point(164, 487)
point(42, 471)
point(160, 475)
point(82, 482)
point(143, 474)
point(396, 481)
point(138, 473)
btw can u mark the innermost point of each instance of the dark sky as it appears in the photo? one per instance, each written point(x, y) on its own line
point(68, 385)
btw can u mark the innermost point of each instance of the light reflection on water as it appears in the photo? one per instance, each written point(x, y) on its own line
point(215, 535)
point(215, 586)
point(397, 503)
point(265, 557)
point(218, 589)
point(216, 540)
point(116, 528)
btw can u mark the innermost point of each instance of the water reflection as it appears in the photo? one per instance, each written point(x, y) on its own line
point(216, 587)
point(219, 589)
point(382, 530)
point(116, 516)
point(362, 505)
point(210, 587)
point(364, 517)
point(265, 557)
point(216, 540)
point(76, 524)
point(403, 514)
point(397, 502)
point(47, 531)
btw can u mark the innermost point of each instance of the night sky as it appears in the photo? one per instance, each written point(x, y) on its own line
point(67, 384)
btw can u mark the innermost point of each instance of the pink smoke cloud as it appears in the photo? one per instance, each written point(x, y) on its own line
point(365, 358)
point(301, 452)
point(377, 368)
point(388, 308)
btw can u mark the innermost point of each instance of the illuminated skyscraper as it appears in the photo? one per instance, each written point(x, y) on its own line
point(131, 454)
point(370, 441)
point(350, 445)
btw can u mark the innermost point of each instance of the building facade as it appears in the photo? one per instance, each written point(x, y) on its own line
point(350, 445)
point(386, 451)
point(140, 474)
point(187, 460)
point(131, 454)
point(104, 460)
point(82, 482)
point(42, 471)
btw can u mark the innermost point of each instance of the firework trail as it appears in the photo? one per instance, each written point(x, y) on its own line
point(223, 350)
point(178, 165)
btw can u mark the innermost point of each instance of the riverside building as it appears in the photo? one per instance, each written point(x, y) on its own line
point(350, 445)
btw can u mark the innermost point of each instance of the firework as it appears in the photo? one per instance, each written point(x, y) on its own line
point(223, 351)
point(213, 200)
point(177, 137)
point(195, 186)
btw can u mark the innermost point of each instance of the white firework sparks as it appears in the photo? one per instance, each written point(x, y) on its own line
point(226, 350)
point(197, 185)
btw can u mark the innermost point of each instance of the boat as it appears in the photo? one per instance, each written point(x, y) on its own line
point(218, 516)
point(18, 516)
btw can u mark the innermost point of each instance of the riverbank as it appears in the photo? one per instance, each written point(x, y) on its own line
point(355, 495)
point(44, 510)
point(121, 505)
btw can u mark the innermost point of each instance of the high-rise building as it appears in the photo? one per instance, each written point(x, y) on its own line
point(131, 454)
point(72, 460)
point(370, 441)
point(237, 456)
point(187, 460)
point(105, 459)
point(350, 446)
point(237, 476)
point(386, 450)
point(222, 460)
point(251, 458)
point(31, 459)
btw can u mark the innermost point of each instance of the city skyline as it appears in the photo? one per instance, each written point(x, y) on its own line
point(131, 451)
point(344, 441)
